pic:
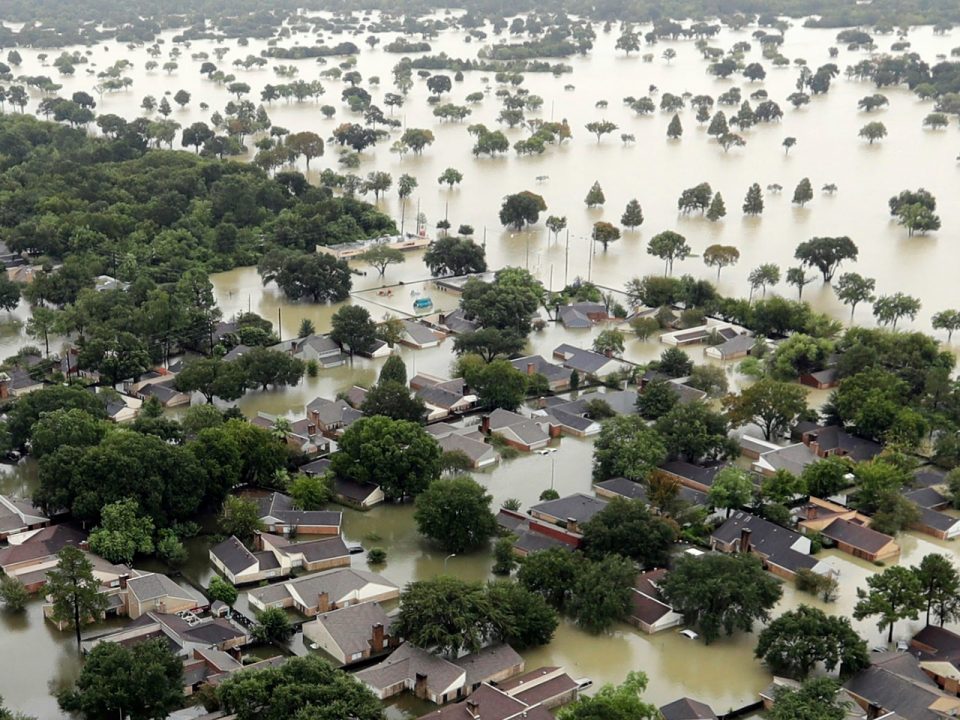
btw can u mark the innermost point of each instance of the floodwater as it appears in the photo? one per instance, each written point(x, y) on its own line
point(654, 170)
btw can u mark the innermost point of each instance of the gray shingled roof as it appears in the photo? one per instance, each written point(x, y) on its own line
point(859, 536)
point(578, 506)
point(155, 585)
point(773, 541)
point(687, 709)
point(351, 627)
point(234, 556)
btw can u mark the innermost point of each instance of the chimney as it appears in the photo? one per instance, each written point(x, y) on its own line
point(811, 511)
point(473, 708)
point(123, 581)
point(420, 689)
point(323, 602)
point(485, 425)
point(376, 643)
point(745, 540)
point(572, 525)
point(257, 540)
point(531, 368)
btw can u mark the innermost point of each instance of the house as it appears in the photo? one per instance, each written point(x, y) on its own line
point(276, 557)
point(17, 382)
point(928, 477)
point(154, 592)
point(896, 686)
point(782, 551)
point(438, 680)
point(938, 650)
point(443, 398)
point(582, 315)
point(378, 349)
point(558, 378)
point(325, 591)
point(792, 458)
point(165, 393)
point(456, 322)
point(18, 516)
point(360, 495)
point(351, 493)
point(516, 430)
point(686, 394)
point(695, 477)
point(279, 516)
point(830, 440)
point(331, 417)
point(700, 334)
point(532, 536)
point(124, 408)
point(631, 490)
point(489, 703)
point(35, 552)
point(821, 379)
point(929, 502)
point(470, 444)
point(183, 635)
point(687, 709)
point(318, 348)
point(419, 336)
point(732, 349)
point(816, 514)
point(546, 687)
point(860, 541)
point(236, 352)
point(353, 633)
point(586, 362)
point(649, 611)
point(570, 512)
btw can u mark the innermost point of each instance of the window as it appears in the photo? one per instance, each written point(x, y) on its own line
point(356, 656)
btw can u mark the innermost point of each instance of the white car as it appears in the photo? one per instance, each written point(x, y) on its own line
point(584, 683)
point(690, 634)
point(546, 451)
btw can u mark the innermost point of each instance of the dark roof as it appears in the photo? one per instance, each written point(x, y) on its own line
point(490, 704)
point(551, 371)
point(833, 437)
point(578, 506)
point(317, 467)
point(767, 538)
point(324, 549)
point(624, 488)
point(351, 627)
point(945, 644)
point(701, 474)
point(280, 506)
point(483, 665)
point(896, 683)
point(687, 709)
point(636, 491)
point(573, 319)
point(928, 476)
point(352, 490)
point(45, 543)
point(857, 536)
point(583, 361)
point(234, 556)
point(926, 497)
point(540, 692)
point(531, 542)
point(936, 519)
point(646, 608)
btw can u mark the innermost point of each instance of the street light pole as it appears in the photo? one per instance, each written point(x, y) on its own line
point(451, 555)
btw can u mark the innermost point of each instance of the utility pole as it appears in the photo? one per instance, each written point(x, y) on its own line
point(279, 324)
point(484, 237)
point(590, 264)
point(566, 261)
